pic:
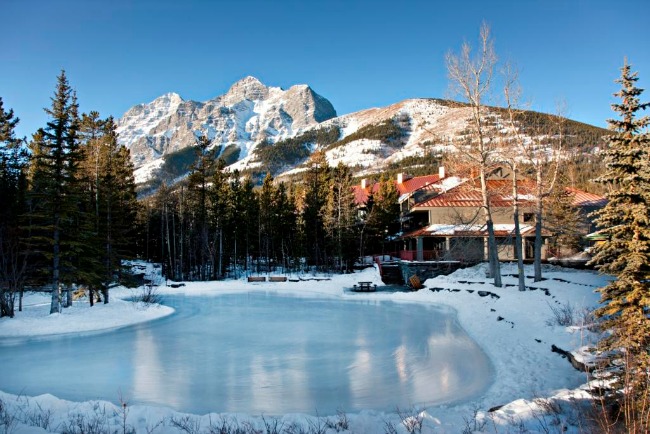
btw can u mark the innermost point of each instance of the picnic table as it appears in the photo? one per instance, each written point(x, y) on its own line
point(364, 287)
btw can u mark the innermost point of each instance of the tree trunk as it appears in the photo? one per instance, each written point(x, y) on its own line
point(55, 305)
point(493, 252)
point(515, 216)
point(538, 245)
point(220, 252)
point(68, 296)
point(539, 209)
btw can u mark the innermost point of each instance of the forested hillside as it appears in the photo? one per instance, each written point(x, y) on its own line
point(71, 214)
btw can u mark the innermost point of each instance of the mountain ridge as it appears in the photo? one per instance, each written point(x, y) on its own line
point(249, 113)
point(261, 129)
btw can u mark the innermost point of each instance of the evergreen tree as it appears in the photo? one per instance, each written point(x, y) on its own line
point(565, 221)
point(117, 206)
point(55, 194)
point(316, 190)
point(382, 217)
point(284, 221)
point(266, 199)
point(198, 181)
point(625, 222)
point(90, 261)
point(339, 216)
point(221, 209)
point(13, 159)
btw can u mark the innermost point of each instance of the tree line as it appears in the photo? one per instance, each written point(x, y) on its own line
point(70, 214)
point(68, 204)
point(217, 224)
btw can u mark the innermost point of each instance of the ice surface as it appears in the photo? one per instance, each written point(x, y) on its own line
point(262, 353)
point(519, 348)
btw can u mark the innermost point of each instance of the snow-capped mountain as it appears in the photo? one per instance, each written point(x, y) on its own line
point(260, 128)
point(250, 113)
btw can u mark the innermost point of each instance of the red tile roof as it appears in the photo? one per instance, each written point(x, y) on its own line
point(584, 199)
point(361, 194)
point(416, 183)
point(408, 186)
point(468, 194)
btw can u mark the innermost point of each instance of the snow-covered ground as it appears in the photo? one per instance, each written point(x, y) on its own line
point(514, 328)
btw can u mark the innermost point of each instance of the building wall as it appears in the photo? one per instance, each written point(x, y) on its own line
point(473, 215)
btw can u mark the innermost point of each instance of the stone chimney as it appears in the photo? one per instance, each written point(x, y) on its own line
point(402, 177)
point(364, 183)
point(441, 172)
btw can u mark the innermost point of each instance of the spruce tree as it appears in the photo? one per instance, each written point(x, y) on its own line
point(284, 221)
point(266, 199)
point(13, 159)
point(625, 222)
point(220, 212)
point(245, 211)
point(565, 222)
point(317, 181)
point(383, 215)
point(198, 181)
point(54, 194)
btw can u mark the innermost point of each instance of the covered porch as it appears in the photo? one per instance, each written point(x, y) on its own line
point(465, 243)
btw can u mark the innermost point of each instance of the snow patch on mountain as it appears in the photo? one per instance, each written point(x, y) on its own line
point(248, 114)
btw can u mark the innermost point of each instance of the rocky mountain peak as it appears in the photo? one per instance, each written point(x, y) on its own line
point(248, 114)
point(248, 88)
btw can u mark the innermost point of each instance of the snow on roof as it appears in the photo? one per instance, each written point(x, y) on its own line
point(404, 189)
point(468, 194)
point(440, 229)
point(585, 199)
point(416, 183)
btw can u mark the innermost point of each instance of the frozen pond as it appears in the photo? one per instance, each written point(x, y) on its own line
point(261, 353)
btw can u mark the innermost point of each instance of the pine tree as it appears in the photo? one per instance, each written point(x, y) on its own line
point(13, 160)
point(220, 217)
point(339, 216)
point(245, 212)
point(383, 213)
point(54, 194)
point(284, 221)
point(565, 221)
point(625, 221)
point(116, 206)
point(266, 198)
point(198, 181)
point(316, 189)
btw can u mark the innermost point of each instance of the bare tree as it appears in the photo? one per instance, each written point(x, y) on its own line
point(546, 160)
point(471, 77)
point(513, 140)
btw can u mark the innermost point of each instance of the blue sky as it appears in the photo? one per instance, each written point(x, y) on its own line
point(358, 54)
